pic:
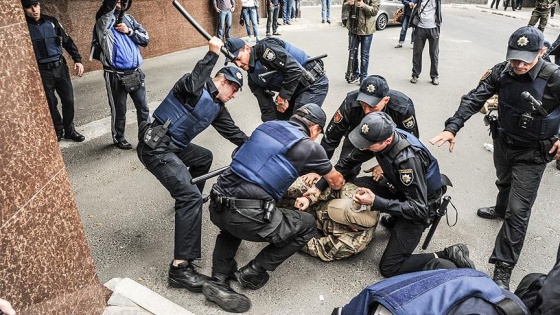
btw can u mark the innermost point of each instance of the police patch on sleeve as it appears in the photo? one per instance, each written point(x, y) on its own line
point(269, 54)
point(409, 123)
point(406, 176)
point(337, 117)
point(486, 74)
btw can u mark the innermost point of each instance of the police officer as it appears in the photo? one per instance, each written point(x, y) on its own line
point(243, 203)
point(374, 95)
point(418, 187)
point(524, 140)
point(297, 81)
point(119, 42)
point(166, 149)
point(48, 38)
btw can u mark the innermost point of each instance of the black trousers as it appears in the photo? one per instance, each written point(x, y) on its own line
point(58, 80)
point(420, 36)
point(296, 228)
point(519, 171)
point(398, 257)
point(117, 102)
point(315, 93)
point(175, 170)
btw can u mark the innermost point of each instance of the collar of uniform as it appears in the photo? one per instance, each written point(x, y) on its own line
point(252, 59)
point(533, 73)
point(300, 125)
point(32, 20)
point(211, 87)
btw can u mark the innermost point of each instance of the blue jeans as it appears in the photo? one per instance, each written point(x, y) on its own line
point(175, 170)
point(326, 10)
point(224, 20)
point(250, 17)
point(288, 4)
point(364, 41)
point(402, 37)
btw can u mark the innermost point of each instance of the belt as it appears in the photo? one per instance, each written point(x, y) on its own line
point(235, 203)
point(316, 68)
point(516, 143)
point(50, 65)
point(119, 71)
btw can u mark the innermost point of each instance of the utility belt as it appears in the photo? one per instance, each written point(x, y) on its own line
point(516, 143)
point(51, 65)
point(316, 69)
point(238, 205)
point(155, 135)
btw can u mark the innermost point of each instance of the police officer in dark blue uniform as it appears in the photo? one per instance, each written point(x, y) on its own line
point(297, 80)
point(243, 203)
point(417, 190)
point(166, 149)
point(374, 95)
point(48, 38)
point(524, 137)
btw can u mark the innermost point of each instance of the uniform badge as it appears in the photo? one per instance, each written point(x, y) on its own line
point(406, 176)
point(365, 129)
point(486, 74)
point(409, 123)
point(522, 41)
point(269, 54)
point(371, 88)
point(238, 75)
point(337, 117)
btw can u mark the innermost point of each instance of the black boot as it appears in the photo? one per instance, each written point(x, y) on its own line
point(502, 274)
point(252, 276)
point(490, 213)
point(459, 255)
point(217, 290)
point(72, 134)
point(186, 276)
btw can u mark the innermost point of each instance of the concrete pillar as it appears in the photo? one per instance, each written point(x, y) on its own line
point(45, 262)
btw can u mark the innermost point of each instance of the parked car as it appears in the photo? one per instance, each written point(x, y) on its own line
point(384, 16)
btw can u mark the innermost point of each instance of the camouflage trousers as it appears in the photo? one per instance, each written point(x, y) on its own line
point(342, 231)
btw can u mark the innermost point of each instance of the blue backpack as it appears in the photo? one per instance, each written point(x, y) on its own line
point(436, 292)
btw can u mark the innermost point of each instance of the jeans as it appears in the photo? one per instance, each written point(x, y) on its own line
point(288, 4)
point(175, 170)
point(326, 10)
point(402, 37)
point(224, 21)
point(272, 20)
point(364, 41)
point(250, 17)
point(420, 37)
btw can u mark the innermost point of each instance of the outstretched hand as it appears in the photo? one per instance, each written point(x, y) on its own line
point(442, 138)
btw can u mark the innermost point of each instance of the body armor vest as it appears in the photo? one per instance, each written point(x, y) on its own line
point(46, 42)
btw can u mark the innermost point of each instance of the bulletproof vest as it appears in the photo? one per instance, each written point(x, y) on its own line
point(126, 51)
point(444, 291)
point(46, 42)
point(262, 161)
point(186, 122)
point(512, 106)
point(433, 176)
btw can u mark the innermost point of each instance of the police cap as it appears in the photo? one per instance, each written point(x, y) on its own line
point(373, 128)
point(524, 44)
point(234, 45)
point(28, 3)
point(314, 113)
point(233, 74)
point(373, 89)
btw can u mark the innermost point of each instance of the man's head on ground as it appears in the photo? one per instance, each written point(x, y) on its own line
point(375, 132)
point(373, 94)
point(228, 81)
point(240, 50)
point(525, 47)
point(32, 8)
point(314, 118)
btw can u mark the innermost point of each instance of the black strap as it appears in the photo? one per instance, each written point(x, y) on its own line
point(508, 307)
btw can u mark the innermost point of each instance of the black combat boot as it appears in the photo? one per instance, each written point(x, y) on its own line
point(490, 213)
point(72, 134)
point(252, 276)
point(459, 255)
point(217, 290)
point(502, 274)
point(186, 276)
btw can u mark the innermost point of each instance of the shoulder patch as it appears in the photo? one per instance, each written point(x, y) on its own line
point(409, 123)
point(406, 176)
point(486, 74)
point(337, 117)
point(269, 54)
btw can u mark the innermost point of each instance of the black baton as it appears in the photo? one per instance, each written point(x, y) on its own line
point(199, 28)
point(211, 174)
point(440, 212)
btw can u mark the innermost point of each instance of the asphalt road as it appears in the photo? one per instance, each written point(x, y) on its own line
point(128, 216)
